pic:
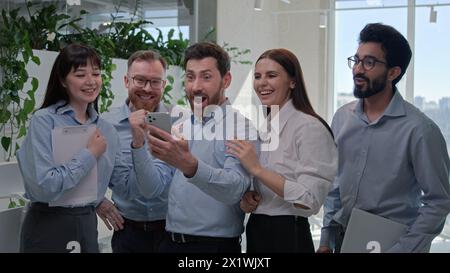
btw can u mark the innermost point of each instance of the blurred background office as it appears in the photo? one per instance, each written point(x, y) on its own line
point(322, 33)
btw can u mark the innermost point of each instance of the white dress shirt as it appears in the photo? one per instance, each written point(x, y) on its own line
point(306, 157)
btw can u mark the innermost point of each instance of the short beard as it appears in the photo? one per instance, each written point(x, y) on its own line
point(373, 87)
point(138, 105)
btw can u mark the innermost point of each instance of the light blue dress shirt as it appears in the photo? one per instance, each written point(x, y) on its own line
point(140, 208)
point(396, 167)
point(45, 181)
point(208, 203)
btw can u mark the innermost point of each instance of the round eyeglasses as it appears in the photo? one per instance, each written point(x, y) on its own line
point(368, 62)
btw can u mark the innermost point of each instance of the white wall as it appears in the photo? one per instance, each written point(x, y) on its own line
point(293, 26)
point(238, 24)
point(299, 31)
point(42, 72)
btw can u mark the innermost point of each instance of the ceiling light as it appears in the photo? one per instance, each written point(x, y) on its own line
point(73, 2)
point(433, 15)
point(258, 5)
point(323, 20)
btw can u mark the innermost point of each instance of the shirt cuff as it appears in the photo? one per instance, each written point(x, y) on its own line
point(325, 237)
point(86, 156)
point(139, 154)
point(297, 193)
point(203, 174)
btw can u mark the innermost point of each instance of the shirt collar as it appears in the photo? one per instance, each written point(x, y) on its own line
point(62, 107)
point(282, 115)
point(395, 107)
point(124, 112)
point(209, 115)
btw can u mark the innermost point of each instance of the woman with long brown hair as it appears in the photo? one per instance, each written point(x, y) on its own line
point(293, 178)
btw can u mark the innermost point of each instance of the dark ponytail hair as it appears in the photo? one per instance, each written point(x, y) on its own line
point(70, 57)
point(291, 65)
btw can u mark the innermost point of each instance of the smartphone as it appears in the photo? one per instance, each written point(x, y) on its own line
point(161, 120)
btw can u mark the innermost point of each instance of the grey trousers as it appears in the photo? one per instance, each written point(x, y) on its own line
point(59, 229)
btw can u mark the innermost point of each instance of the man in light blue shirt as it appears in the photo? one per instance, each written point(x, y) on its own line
point(139, 224)
point(207, 185)
point(393, 160)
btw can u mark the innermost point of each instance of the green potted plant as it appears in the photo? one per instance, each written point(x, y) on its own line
point(41, 28)
point(16, 104)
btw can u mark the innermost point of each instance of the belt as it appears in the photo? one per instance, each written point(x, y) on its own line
point(185, 238)
point(63, 210)
point(158, 225)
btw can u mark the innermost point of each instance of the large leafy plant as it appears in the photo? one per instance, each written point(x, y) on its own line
point(42, 27)
point(16, 104)
point(39, 28)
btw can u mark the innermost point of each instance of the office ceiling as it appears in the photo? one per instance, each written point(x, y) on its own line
point(95, 6)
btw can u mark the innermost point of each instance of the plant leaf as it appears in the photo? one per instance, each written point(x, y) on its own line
point(6, 141)
point(12, 204)
point(34, 85)
point(22, 131)
point(36, 60)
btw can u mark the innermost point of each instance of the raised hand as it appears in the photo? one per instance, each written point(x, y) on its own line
point(97, 143)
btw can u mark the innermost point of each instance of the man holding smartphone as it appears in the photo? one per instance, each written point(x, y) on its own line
point(139, 224)
point(206, 183)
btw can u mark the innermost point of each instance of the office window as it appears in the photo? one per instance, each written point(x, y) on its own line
point(163, 14)
point(351, 17)
point(432, 64)
point(429, 84)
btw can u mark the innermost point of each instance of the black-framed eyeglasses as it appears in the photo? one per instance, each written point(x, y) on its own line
point(142, 82)
point(368, 62)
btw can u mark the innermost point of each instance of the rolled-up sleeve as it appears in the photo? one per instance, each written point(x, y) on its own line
point(315, 170)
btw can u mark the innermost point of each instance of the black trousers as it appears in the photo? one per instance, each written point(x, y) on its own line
point(59, 229)
point(278, 234)
point(137, 239)
point(205, 245)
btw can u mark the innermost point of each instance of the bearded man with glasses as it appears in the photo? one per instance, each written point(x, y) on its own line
point(393, 160)
point(139, 224)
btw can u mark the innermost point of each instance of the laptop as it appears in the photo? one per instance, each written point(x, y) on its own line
point(370, 233)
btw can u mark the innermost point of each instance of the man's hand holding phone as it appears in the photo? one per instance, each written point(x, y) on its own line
point(172, 151)
point(160, 120)
point(138, 125)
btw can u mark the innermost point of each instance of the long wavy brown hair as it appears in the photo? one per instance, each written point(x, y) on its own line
point(291, 65)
